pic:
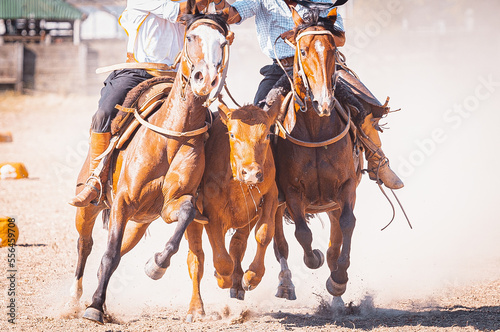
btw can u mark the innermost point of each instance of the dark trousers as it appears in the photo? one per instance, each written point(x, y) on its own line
point(272, 73)
point(115, 89)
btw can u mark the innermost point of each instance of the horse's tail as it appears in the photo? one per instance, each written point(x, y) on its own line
point(105, 218)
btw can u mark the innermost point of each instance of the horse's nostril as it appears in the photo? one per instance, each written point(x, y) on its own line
point(315, 104)
point(243, 172)
point(259, 176)
point(214, 82)
point(198, 76)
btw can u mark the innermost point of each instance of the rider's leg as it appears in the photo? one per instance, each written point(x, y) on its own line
point(378, 164)
point(115, 89)
point(272, 73)
point(93, 187)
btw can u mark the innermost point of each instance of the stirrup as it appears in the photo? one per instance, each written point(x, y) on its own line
point(375, 171)
point(99, 192)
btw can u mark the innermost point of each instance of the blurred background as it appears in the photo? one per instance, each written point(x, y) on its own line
point(437, 60)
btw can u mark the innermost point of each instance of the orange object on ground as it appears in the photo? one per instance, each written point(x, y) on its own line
point(13, 171)
point(5, 136)
point(8, 226)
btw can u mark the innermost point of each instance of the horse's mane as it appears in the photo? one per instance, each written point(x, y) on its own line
point(220, 19)
point(312, 18)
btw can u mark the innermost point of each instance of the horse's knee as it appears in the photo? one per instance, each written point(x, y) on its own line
point(263, 235)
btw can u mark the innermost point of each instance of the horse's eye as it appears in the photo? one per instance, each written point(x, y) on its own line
point(268, 136)
point(303, 52)
point(189, 39)
point(231, 135)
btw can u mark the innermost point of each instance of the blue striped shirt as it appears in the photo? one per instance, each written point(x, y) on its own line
point(272, 18)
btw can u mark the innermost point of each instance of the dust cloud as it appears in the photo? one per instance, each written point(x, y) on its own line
point(438, 63)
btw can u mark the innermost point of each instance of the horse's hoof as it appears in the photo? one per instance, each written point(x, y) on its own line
point(250, 281)
point(318, 260)
point(94, 315)
point(189, 318)
point(334, 288)
point(154, 271)
point(223, 281)
point(238, 294)
point(286, 293)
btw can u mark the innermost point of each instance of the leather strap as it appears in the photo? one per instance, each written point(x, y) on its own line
point(316, 144)
point(167, 132)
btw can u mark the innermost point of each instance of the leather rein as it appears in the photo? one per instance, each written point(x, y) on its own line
point(302, 103)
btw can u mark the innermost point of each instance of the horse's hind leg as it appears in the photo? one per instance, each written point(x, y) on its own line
point(195, 261)
point(84, 221)
point(339, 263)
point(286, 289)
point(183, 211)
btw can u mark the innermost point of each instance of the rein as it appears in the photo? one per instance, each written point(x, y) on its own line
point(317, 144)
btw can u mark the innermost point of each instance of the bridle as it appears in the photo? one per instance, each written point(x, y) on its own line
point(303, 102)
point(309, 96)
point(185, 58)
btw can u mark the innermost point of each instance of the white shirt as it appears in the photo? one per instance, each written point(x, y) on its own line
point(153, 32)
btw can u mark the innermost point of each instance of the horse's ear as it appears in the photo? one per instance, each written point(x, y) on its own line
point(288, 37)
point(224, 112)
point(296, 17)
point(332, 15)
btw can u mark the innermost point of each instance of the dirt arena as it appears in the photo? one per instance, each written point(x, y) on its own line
point(443, 275)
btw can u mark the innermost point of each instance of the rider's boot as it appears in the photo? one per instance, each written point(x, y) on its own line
point(98, 144)
point(378, 164)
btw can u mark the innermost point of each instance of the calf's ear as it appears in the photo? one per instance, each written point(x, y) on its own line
point(224, 112)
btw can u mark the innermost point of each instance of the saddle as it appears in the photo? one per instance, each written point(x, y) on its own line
point(145, 99)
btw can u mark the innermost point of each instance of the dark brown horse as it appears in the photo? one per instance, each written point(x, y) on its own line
point(160, 172)
point(239, 192)
point(316, 163)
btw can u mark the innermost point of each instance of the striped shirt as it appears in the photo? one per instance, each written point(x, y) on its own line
point(272, 18)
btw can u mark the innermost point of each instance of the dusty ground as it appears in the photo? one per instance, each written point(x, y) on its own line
point(50, 138)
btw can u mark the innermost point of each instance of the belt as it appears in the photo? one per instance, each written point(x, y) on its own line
point(286, 62)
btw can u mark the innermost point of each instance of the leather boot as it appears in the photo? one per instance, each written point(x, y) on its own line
point(92, 190)
point(378, 164)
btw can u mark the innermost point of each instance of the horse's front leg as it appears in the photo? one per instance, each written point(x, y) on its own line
point(264, 233)
point(195, 261)
point(312, 258)
point(120, 213)
point(183, 211)
point(338, 264)
point(286, 289)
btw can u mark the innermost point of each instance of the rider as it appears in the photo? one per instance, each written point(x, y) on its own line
point(274, 17)
point(155, 36)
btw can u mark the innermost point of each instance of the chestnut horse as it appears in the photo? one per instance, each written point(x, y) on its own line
point(239, 192)
point(162, 166)
point(317, 167)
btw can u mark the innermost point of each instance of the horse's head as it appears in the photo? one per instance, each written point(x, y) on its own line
point(315, 52)
point(206, 51)
point(249, 138)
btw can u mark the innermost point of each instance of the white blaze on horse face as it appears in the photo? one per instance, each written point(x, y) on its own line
point(211, 46)
point(324, 97)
